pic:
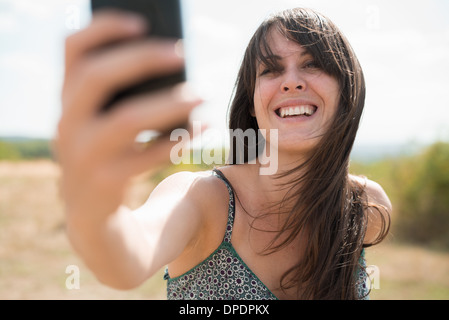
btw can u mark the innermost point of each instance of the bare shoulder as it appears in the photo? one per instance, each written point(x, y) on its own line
point(180, 211)
point(195, 204)
point(379, 208)
point(374, 191)
point(178, 183)
point(199, 189)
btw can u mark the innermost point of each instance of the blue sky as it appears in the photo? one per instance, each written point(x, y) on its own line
point(403, 47)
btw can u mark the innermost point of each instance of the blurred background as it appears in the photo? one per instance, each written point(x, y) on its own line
point(403, 142)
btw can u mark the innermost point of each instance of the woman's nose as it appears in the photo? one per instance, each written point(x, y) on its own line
point(293, 82)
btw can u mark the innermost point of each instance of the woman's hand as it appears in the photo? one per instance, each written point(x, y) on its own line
point(97, 151)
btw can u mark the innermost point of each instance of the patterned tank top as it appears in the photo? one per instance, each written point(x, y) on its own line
point(225, 276)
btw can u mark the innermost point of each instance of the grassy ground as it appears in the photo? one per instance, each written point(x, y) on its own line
point(409, 272)
point(34, 252)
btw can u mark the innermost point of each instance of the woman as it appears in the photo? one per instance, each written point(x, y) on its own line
point(231, 233)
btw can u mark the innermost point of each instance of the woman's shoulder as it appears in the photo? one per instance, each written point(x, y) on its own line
point(374, 191)
point(378, 209)
point(201, 188)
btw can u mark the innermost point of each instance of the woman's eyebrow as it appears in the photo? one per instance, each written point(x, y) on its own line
point(275, 57)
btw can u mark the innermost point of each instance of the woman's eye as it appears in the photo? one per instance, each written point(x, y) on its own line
point(311, 65)
point(270, 70)
point(264, 72)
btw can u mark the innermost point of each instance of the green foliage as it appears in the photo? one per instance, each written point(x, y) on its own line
point(418, 187)
point(25, 149)
point(34, 149)
point(8, 151)
point(424, 197)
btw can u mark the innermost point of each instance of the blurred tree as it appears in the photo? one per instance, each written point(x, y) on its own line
point(423, 196)
point(8, 151)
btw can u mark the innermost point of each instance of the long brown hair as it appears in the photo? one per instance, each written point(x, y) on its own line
point(331, 207)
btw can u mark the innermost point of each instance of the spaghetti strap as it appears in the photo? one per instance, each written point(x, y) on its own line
point(231, 207)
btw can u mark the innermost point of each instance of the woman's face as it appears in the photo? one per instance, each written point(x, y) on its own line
point(297, 98)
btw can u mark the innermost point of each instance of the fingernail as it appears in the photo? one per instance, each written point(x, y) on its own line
point(171, 48)
point(179, 48)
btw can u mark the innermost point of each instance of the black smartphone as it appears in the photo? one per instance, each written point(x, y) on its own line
point(165, 20)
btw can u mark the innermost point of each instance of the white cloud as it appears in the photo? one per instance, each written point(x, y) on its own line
point(204, 26)
point(8, 24)
point(24, 62)
point(41, 10)
point(31, 98)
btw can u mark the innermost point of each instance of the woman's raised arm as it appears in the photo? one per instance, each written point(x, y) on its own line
point(97, 151)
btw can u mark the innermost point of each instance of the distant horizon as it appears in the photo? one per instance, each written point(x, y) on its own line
point(361, 151)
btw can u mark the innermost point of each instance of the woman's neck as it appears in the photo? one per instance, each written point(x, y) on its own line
point(275, 187)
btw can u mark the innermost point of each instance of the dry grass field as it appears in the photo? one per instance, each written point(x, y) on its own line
point(34, 251)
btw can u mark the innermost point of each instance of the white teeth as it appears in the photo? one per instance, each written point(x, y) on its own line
point(297, 111)
point(291, 111)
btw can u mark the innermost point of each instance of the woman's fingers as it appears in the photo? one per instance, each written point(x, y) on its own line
point(123, 65)
point(99, 76)
point(158, 111)
point(107, 26)
point(156, 153)
point(109, 134)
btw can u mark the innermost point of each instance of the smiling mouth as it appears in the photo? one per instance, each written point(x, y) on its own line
point(296, 111)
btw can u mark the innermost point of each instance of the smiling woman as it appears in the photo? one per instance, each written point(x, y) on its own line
point(298, 60)
point(229, 233)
